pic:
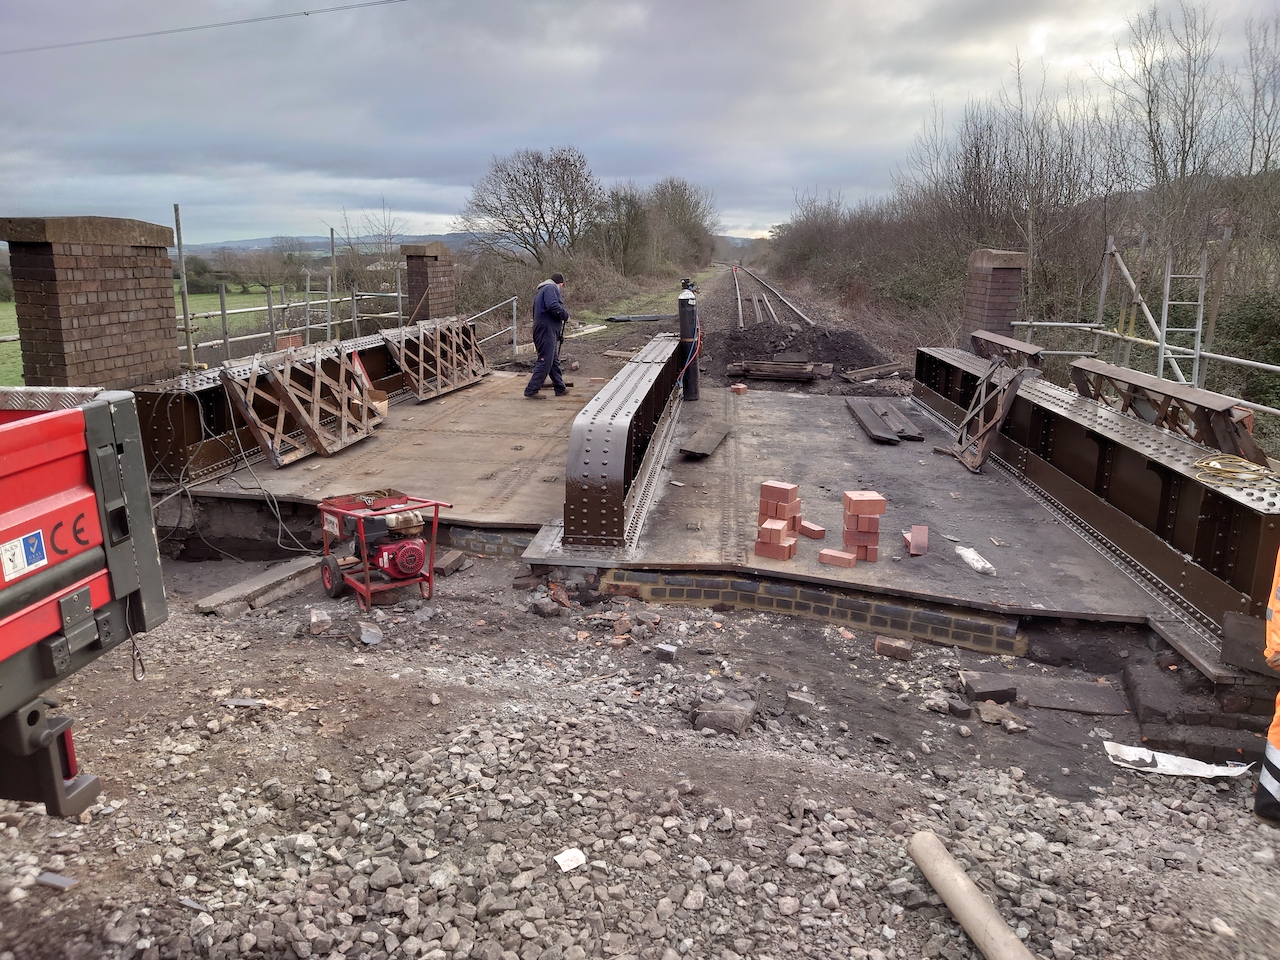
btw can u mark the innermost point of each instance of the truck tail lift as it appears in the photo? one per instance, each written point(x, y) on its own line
point(79, 571)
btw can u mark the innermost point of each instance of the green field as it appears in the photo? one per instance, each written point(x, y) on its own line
point(209, 328)
point(10, 354)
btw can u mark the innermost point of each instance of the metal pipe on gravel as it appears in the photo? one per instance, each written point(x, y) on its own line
point(774, 291)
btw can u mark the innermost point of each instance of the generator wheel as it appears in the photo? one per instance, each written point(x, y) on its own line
point(331, 576)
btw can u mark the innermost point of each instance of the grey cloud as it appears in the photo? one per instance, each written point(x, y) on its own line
point(276, 127)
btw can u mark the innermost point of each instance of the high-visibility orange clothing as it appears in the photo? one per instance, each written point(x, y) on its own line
point(1267, 802)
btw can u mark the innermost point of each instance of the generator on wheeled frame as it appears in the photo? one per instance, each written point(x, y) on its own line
point(377, 541)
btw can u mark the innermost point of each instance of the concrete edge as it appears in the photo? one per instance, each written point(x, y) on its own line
point(264, 588)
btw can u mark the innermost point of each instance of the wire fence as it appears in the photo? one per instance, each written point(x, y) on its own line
point(284, 323)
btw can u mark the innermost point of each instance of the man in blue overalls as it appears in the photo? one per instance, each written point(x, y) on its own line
point(549, 318)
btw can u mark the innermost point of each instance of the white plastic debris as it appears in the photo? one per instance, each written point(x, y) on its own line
point(570, 859)
point(974, 559)
point(56, 880)
point(1140, 758)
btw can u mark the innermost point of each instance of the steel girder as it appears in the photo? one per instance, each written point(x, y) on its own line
point(1211, 546)
point(611, 446)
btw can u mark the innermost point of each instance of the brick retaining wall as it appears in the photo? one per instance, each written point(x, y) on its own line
point(891, 616)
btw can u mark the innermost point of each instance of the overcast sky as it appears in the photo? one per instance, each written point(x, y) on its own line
point(275, 128)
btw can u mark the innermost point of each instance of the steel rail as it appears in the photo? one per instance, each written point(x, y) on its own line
point(796, 310)
point(737, 291)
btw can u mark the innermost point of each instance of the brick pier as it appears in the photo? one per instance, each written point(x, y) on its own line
point(94, 300)
point(993, 290)
point(430, 269)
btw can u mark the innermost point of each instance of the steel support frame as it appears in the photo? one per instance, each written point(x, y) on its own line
point(993, 396)
point(611, 447)
point(437, 356)
point(192, 431)
point(304, 400)
point(1199, 415)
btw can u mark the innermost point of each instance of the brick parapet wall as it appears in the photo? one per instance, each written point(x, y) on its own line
point(94, 314)
point(993, 290)
point(430, 269)
point(891, 616)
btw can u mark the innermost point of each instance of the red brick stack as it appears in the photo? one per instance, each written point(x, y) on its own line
point(862, 512)
point(778, 520)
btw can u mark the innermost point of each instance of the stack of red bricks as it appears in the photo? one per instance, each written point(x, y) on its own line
point(862, 512)
point(778, 520)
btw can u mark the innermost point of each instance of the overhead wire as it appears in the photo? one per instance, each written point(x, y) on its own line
point(193, 29)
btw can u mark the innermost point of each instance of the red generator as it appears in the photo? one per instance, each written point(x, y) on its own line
point(79, 570)
point(393, 543)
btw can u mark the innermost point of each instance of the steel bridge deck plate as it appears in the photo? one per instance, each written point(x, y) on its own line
point(708, 521)
point(497, 457)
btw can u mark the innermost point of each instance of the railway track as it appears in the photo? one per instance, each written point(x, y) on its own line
point(754, 295)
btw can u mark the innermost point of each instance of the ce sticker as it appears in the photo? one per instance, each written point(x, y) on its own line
point(77, 532)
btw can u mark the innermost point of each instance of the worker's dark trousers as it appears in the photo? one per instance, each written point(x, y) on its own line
point(547, 339)
point(1267, 802)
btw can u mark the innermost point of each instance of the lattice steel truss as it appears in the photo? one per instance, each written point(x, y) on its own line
point(437, 356)
point(305, 400)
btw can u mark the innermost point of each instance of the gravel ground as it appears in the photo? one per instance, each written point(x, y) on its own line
point(273, 793)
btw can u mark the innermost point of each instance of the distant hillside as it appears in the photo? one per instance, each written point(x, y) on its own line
point(454, 241)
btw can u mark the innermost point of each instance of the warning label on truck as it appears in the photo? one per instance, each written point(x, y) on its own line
point(19, 557)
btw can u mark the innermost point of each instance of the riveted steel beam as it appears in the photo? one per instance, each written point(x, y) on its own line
point(611, 446)
point(1205, 545)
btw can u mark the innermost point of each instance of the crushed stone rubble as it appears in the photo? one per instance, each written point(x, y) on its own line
point(444, 840)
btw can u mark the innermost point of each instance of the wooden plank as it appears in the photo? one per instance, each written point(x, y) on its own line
point(870, 421)
point(768, 370)
point(704, 442)
point(874, 373)
point(897, 421)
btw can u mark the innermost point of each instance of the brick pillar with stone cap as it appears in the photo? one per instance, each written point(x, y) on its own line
point(993, 290)
point(429, 268)
point(94, 300)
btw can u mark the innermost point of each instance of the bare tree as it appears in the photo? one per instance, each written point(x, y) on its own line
point(1258, 95)
point(1170, 87)
point(383, 232)
point(684, 219)
point(622, 228)
point(533, 204)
